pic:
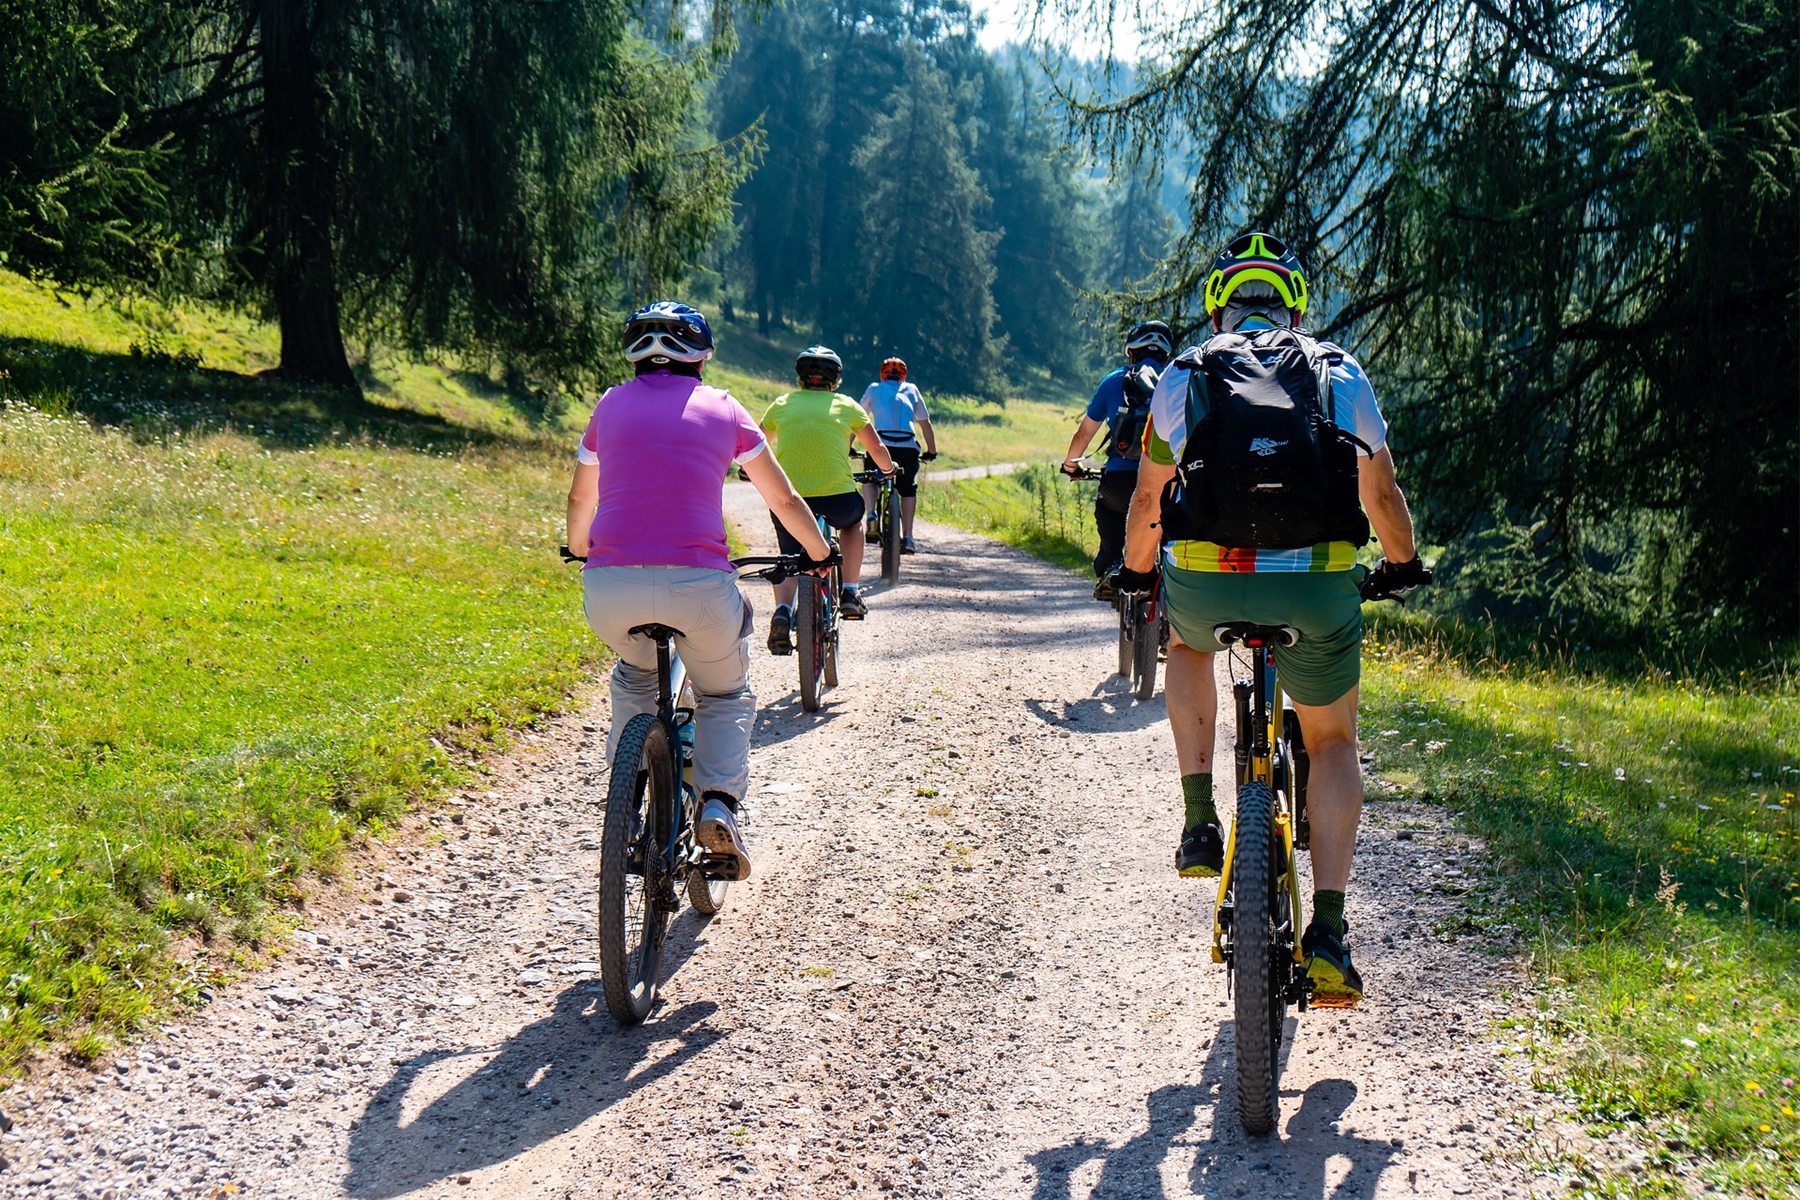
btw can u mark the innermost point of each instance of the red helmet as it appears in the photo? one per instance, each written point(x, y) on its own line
point(893, 368)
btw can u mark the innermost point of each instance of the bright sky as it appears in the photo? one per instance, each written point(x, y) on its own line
point(1008, 21)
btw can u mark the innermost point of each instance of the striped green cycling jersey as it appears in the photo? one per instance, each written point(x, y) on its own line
point(1166, 433)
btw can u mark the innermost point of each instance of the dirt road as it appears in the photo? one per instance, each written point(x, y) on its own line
point(964, 968)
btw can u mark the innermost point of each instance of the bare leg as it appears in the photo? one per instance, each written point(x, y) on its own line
point(786, 590)
point(1193, 701)
point(1334, 788)
point(907, 504)
point(851, 541)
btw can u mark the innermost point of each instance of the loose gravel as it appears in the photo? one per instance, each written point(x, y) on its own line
point(964, 967)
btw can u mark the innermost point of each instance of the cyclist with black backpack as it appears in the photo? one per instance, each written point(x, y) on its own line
point(1122, 404)
point(1265, 464)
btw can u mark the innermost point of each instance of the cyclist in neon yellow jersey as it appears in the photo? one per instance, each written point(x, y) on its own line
point(1257, 284)
point(811, 431)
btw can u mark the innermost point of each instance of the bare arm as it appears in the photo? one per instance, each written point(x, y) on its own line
point(871, 444)
point(1084, 434)
point(1143, 524)
point(930, 437)
point(773, 486)
point(584, 498)
point(1383, 500)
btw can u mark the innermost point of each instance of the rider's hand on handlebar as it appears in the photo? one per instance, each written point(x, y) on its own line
point(1071, 468)
point(1395, 580)
point(928, 456)
point(1127, 580)
point(819, 566)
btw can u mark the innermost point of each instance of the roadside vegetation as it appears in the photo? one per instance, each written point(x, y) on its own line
point(246, 624)
point(1641, 805)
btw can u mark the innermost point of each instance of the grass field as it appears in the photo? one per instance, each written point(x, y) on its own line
point(1647, 827)
point(245, 624)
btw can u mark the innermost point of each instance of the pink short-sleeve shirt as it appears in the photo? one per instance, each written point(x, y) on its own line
point(663, 443)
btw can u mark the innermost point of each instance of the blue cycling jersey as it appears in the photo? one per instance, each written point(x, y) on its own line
point(1108, 399)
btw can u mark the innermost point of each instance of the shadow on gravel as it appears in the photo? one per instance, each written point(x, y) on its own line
point(539, 1084)
point(785, 719)
point(1226, 1162)
point(1103, 712)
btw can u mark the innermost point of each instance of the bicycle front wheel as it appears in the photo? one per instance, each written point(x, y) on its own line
point(706, 895)
point(1127, 654)
point(634, 913)
point(1143, 650)
point(809, 632)
point(1256, 958)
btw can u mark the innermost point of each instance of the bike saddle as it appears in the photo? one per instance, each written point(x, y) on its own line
point(1252, 634)
point(656, 633)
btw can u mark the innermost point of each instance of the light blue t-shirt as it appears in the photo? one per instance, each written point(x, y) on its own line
point(893, 405)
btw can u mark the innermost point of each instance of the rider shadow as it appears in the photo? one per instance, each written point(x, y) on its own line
point(1103, 712)
point(785, 719)
point(539, 1084)
point(1227, 1161)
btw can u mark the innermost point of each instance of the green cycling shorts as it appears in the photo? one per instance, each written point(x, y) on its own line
point(1324, 606)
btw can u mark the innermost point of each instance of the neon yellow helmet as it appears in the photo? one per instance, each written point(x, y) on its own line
point(1258, 256)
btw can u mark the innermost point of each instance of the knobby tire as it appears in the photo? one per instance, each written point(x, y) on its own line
point(706, 895)
point(640, 807)
point(808, 620)
point(890, 540)
point(1256, 959)
point(1143, 671)
point(1126, 645)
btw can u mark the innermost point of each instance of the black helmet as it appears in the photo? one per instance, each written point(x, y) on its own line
point(1260, 258)
point(1149, 339)
point(819, 366)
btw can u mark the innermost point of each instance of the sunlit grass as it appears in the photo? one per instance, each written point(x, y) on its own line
point(1648, 831)
point(245, 624)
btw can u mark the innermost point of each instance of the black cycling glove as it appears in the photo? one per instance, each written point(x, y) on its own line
point(928, 455)
point(808, 563)
point(1396, 579)
point(1127, 580)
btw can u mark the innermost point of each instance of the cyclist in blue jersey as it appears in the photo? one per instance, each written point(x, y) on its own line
point(894, 407)
point(1121, 404)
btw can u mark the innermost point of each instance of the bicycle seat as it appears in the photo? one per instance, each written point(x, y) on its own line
point(1251, 634)
point(656, 633)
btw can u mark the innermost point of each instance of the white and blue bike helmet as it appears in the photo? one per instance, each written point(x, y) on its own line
point(668, 331)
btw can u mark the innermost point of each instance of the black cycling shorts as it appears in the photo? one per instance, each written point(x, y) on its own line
point(906, 463)
point(841, 511)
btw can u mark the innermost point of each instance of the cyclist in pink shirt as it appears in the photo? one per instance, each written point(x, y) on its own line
point(646, 509)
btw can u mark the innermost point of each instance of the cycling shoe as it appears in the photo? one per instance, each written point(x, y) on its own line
point(1202, 852)
point(1335, 981)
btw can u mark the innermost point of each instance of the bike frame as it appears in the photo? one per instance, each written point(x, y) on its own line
point(1260, 717)
point(675, 703)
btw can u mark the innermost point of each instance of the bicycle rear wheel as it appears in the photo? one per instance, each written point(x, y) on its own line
point(1127, 648)
point(1257, 990)
point(706, 895)
point(808, 630)
point(890, 540)
point(1143, 667)
point(640, 807)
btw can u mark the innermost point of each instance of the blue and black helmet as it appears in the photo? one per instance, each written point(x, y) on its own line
point(669, 330)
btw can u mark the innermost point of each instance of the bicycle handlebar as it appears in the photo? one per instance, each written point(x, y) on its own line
point(1373, 591)
point(785, 566)
point(870, 476)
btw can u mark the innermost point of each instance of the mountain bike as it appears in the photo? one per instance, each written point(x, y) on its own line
point(649, 856)
point(1143, 625)
point(1257, 919)
point(884, 521)
point(817, 624)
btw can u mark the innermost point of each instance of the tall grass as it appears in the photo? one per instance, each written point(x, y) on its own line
point(1648, 827)
point(244, 624)
point(1037, 509)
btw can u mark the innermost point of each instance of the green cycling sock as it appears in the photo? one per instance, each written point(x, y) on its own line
point(1196, 790)
point(1329, 908)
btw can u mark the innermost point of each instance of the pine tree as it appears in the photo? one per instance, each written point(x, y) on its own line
point(927, 287)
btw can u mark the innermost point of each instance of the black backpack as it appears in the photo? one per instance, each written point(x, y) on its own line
point(1125, 439)
point(1265, 465)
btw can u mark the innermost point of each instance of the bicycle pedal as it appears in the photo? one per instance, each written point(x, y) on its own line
point(1331, 1000)
point(720, 867)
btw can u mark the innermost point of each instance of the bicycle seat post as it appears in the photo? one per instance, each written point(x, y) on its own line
point(662, 635)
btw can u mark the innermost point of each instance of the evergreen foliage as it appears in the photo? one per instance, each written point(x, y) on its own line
point(480, 177)
point(1566, 240)
point(826, 80)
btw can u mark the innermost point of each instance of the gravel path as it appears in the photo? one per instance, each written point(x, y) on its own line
point(964, 968)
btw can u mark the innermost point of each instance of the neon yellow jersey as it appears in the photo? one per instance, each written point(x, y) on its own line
point(810, 433)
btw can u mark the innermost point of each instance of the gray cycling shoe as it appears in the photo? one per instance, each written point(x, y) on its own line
point(718, 832)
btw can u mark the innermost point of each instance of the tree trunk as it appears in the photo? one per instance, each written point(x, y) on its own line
point(300, 180)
